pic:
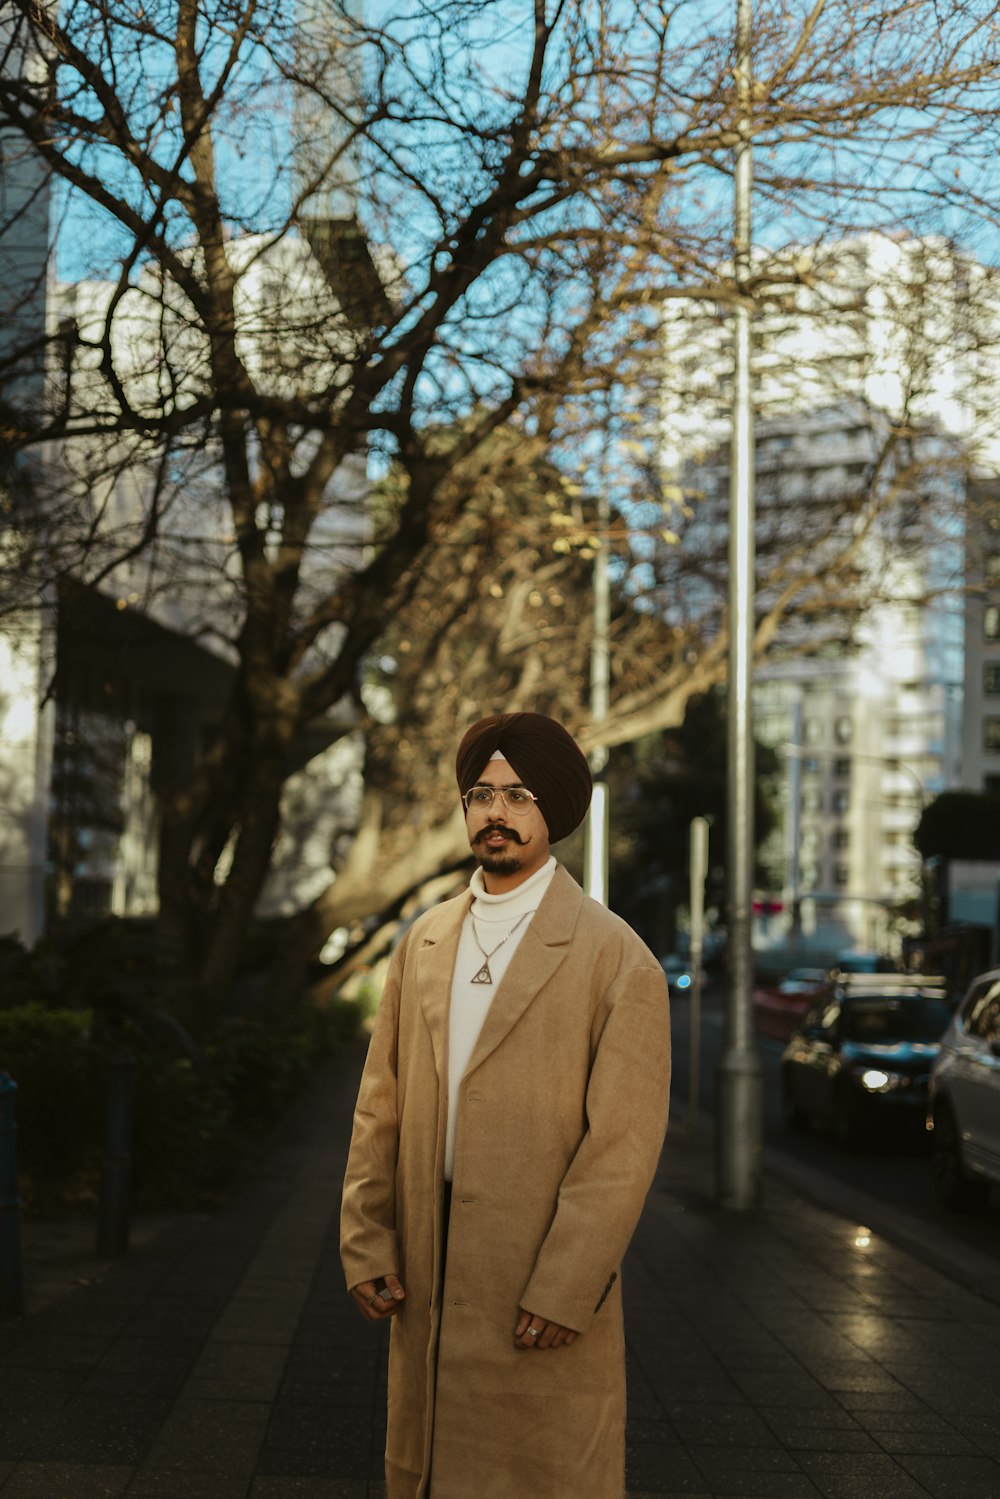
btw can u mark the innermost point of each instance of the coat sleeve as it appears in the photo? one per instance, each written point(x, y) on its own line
point(368, 1243)
point(603, 1191)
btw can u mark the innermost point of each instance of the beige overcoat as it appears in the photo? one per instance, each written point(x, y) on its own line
point(561, 1117)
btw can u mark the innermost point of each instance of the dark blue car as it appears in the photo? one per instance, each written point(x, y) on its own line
point(863, 1055)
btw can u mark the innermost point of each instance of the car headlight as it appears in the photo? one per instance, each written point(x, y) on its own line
point(874, 1080)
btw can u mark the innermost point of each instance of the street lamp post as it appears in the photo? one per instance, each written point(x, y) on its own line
point(596, 842)
point(740, 1120)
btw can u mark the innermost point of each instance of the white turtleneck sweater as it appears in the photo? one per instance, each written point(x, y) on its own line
point(494, 916)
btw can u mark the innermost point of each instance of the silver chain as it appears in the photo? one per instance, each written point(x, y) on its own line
point(483, 976)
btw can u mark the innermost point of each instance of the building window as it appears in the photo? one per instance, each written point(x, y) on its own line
point(812, 730)
point(810, 765)
point(991, 785)
point(842, 838)
point(841, 875)
point(991, 622)
point(812, 800)
point(991, 736)
point(991, 678)
point(842, 800)
point(843, 729)
point(842, 769)
point(992, 568)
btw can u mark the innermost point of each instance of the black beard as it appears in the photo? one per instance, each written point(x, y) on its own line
point(497, 863)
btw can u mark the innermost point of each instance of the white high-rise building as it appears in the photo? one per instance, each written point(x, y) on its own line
point(875, 383)
point(981, 723)
point(25, 726)
point(112, 688)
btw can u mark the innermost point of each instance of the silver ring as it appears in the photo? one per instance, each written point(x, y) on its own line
point(372, 1300)
point(534, 1332)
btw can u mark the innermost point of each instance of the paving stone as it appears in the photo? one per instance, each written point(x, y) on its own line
point(931, 1443)
point(769, 1387)
point(868, 1466)
point(882, 1421)
point(955, 1477)
point(651, 1431)
point(99, 1430)
point(21, 1417)
point(749, 1484)
point(311, 1488)
point(889, 1486)
point(664, 1469)
point(714, 1386)
point(781, 1419)
point(153, 1383)
point(858, 1376)
point(133, 1354)
point(15, 1381)
point(54, 1350)
point(648, 1494)
point(827, 1439)
point(314, 1441)
point(43, 1480)
point(211, 1436)
point(870, 1401)
point(169, 1483)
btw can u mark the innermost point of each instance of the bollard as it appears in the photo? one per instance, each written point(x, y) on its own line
point(11, 1292)
point(116, 1168)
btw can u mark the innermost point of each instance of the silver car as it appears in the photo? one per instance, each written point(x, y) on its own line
point(965, 1098)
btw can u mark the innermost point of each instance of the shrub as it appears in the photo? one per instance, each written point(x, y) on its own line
point(195, 1116)
point(52, 1056)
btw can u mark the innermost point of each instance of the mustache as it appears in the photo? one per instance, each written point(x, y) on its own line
point(497, 827)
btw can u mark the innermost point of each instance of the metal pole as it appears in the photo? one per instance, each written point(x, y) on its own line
point(697, 871)
point(116, 1168)
point(596, 847)
point(11, 1291)
point(795, 818)
point(740, 1122)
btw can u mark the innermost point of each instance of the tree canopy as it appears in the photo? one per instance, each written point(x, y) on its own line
point(292, 239)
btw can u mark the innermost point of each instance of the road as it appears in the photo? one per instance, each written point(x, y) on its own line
point(893, 1172)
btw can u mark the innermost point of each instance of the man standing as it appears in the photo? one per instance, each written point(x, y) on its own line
point(508, 1126)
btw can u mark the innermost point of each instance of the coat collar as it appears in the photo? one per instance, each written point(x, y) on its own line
point(539, 954)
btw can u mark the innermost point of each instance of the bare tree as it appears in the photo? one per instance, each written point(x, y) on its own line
point(323, 236)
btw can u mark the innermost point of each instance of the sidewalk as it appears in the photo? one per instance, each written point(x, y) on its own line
point(770, 1354)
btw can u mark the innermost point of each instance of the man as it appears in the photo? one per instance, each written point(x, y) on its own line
point(508, 1126)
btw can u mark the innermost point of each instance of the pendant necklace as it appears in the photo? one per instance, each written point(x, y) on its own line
point(483, 976)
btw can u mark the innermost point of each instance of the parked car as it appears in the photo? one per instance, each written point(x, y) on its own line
point(778, 1009)
point(851, 961)
point(864, 1054)
point(803, 981)
point(965, 1098)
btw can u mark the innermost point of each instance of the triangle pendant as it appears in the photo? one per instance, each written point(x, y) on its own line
point(483, 976)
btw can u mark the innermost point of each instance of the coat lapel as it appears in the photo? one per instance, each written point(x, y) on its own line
point(435, 967)
point(539, 954)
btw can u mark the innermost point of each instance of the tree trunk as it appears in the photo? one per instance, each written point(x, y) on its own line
point(374, 883)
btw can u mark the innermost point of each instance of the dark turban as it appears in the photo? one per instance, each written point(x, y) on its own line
point(546, 758)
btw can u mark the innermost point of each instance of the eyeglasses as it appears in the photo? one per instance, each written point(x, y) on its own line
point(516, 799)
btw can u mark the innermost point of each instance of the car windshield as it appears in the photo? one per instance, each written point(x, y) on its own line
point(881, 1020)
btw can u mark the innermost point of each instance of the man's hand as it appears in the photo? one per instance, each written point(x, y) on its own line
point(379, 1299)
point(548, 1334)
